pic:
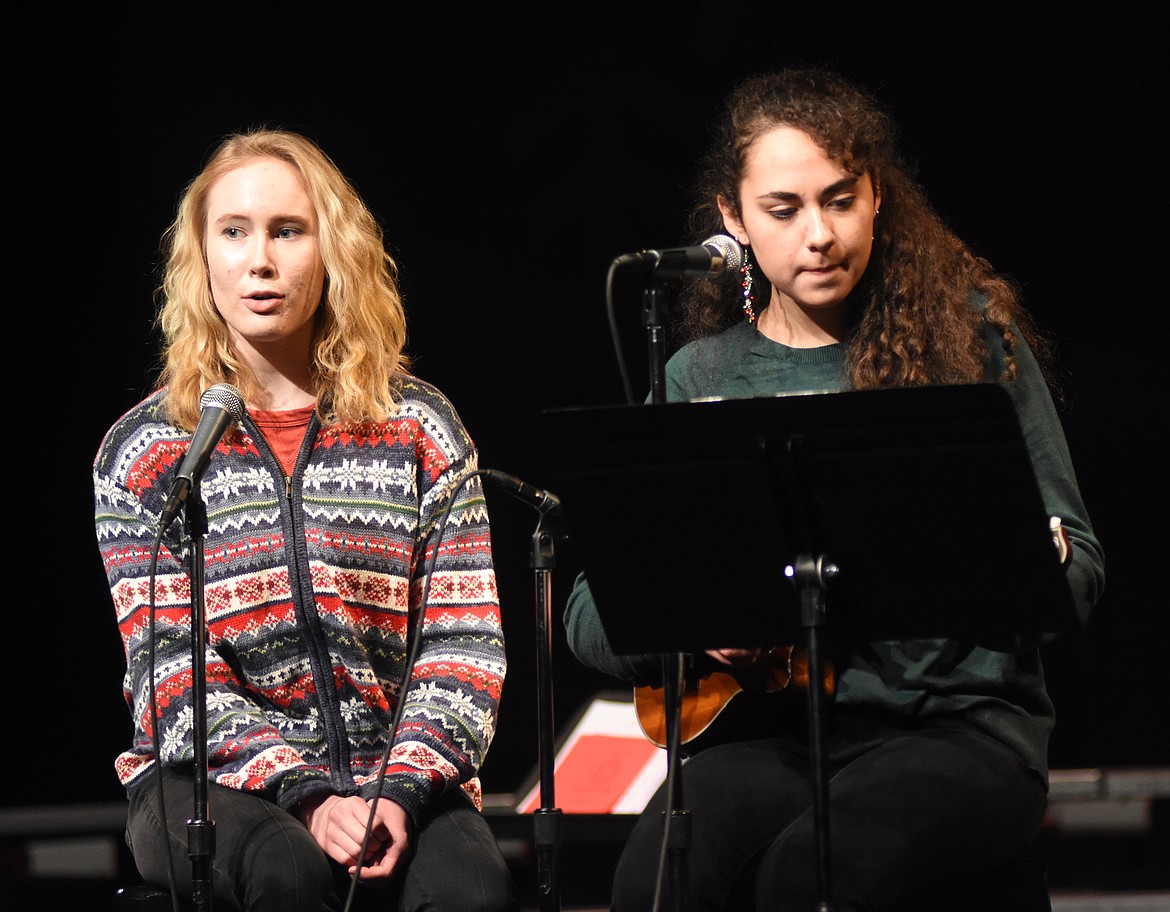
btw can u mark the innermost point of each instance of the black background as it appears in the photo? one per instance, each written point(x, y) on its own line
point(510, 156)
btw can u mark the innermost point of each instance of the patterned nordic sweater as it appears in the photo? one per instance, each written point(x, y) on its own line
point(311, 582)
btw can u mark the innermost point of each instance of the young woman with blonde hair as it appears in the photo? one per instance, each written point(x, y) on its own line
point(325, 508)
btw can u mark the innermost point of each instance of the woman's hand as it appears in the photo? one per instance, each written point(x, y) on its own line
point(339, 825)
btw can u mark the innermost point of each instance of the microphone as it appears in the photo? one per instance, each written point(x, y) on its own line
point(221, 406)
point(717, 259)
point(544, 501)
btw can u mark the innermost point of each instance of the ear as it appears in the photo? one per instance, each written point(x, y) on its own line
point(731, 220)
point(877, 193)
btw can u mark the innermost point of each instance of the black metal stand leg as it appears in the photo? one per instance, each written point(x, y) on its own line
point(200, 828)
point(547, 819)
point(812, 577)
point(678, 821)
point(678, 837)
point(653, 321)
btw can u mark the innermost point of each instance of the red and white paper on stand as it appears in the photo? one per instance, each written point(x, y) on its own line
point(606, 765)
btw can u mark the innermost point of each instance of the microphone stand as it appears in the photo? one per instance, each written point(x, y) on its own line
point(679, 821)
point(653, 310)
point(547, 819)
point(200, 828)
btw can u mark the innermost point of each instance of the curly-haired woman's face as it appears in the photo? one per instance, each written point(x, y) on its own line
point(809, 225)
point(264, 258)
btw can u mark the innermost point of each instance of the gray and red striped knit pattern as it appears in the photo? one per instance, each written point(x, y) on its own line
point(311, 585)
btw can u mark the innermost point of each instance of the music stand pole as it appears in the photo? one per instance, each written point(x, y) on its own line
point(812, 577)
point(679, 822)
point(546, 819)
point(200, 828)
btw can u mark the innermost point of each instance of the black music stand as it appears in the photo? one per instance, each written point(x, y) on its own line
point(694, 520)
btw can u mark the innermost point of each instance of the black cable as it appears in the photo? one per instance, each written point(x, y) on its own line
point(615, 335)
point(674, 746)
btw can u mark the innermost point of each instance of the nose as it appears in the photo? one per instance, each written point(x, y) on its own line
point(818, 235)
point(260, 257)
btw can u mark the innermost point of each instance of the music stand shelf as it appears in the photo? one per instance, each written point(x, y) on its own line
point(685, 516)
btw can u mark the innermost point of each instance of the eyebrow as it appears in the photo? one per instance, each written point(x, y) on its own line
point(282, 219)
point(845, 183)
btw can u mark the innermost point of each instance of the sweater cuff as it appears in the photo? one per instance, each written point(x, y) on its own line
point(408, 792)
point(294, 789)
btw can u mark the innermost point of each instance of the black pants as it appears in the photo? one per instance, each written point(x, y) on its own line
point(266, 860)
point(911, 817)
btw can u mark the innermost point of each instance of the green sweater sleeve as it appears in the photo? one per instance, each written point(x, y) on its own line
point(1056, 478)
point(588, 642)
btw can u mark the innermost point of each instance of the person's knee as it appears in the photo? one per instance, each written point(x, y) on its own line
point(283, 867)
point(633, 888)
point(304, 885)
point(483, 884)
point(457, 865)
point(635, 879)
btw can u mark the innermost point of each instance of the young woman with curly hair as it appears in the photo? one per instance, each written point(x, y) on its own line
point(937, 749)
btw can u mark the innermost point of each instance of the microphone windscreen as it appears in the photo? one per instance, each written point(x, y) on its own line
point(226, 397)
point(732, 253)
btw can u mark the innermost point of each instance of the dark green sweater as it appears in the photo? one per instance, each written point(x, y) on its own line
point(908, 682)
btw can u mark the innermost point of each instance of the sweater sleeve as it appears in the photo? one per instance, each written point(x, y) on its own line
point(584, 631)
point(1056, 478)
point(452, 702)
point(588, 641)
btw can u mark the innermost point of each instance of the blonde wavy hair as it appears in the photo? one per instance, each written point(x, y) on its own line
point(360, 330)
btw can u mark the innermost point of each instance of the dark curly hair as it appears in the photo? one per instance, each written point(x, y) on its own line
point(911, 317)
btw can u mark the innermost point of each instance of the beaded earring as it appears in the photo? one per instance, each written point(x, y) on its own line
point(745, 285)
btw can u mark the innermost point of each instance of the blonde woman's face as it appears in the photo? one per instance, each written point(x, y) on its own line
point(264, 258)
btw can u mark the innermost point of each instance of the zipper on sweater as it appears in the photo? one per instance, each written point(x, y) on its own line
point(305, 604)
